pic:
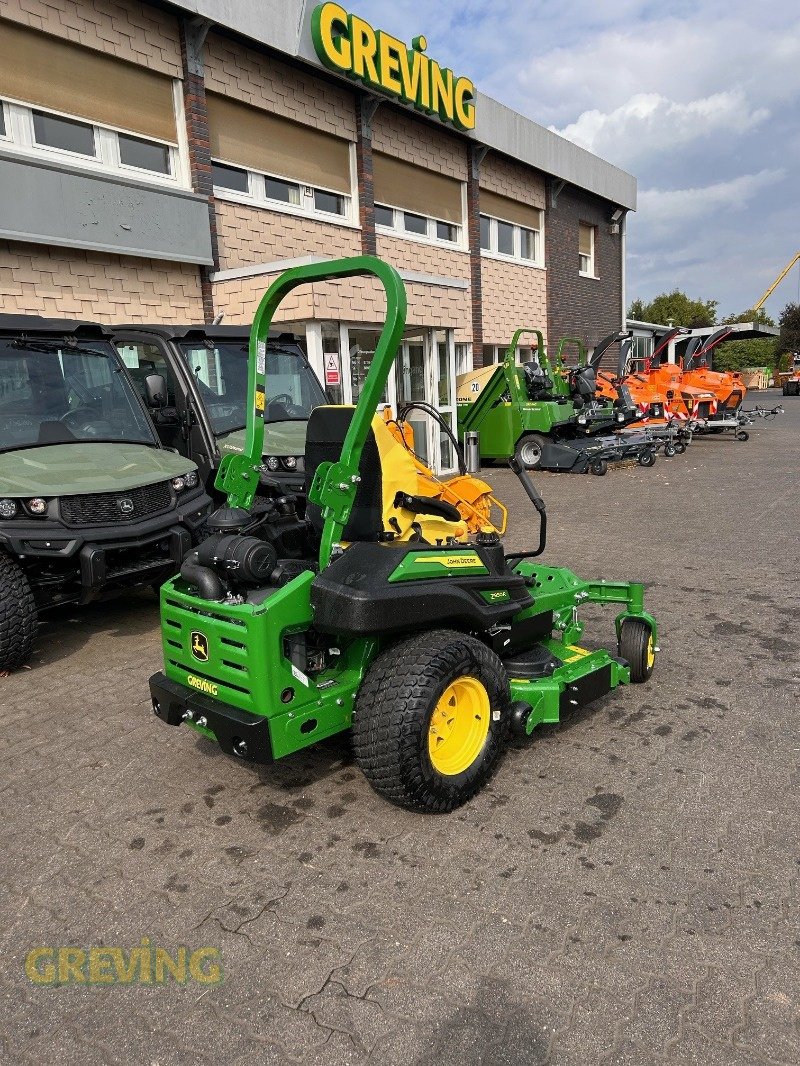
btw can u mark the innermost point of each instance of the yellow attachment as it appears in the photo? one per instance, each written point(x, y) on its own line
point(476, 503)
point(459, 726)
point(469, 386)
point(399, 474)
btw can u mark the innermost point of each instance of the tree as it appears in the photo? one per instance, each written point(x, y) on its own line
point(675, 307)
point(736, 355)
point(789, 340)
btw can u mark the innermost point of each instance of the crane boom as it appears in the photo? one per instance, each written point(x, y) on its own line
point(775, 284)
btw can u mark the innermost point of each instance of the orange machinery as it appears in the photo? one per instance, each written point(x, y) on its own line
point(658, 387)
point(728, 386)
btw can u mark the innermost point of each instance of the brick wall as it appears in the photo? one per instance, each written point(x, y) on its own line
point(587, 308)
point(36, 280)
point(264, 81)
point(507, 178)
point(126, 29)
point(396, 133)
point(439, 262)
point(513, 296)
point(249, 235)
point(358, 300)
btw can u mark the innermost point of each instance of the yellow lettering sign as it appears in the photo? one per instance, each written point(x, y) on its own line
point(347, 44)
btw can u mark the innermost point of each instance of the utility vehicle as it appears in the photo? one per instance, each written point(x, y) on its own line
point(432, 648)
point(547, 415)
point(90, 501)
point(201, 407)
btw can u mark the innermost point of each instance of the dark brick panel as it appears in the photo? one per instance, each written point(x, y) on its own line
point(587, 308)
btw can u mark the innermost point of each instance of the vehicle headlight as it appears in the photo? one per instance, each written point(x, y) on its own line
point(655, 410)
point(273, 462)
point(620, 416)
point(8, 508)
point(289, 462)
point(37, 505)
point(191, 479)
point(179, 483)
point(581, 420)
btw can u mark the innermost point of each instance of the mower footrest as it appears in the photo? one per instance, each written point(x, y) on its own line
point(586, 689)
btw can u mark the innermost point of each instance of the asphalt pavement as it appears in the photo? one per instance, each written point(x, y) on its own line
point(625, 891)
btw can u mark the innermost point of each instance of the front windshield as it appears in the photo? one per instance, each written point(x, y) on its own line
point(56, 392)
point(221, 374)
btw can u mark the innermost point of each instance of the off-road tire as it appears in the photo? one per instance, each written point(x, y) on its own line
point(634, 647)
point(528, 451)
point(670, 450)
point(17, 615)
point(393, 711)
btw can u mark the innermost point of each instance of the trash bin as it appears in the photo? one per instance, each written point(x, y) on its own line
point(472, 451)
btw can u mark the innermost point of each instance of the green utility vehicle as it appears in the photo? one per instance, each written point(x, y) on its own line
point(432, 649)
point(90, 501)
point(200, 406)
point(546, 414)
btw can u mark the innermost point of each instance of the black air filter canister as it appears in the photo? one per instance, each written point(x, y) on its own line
point(244, 560)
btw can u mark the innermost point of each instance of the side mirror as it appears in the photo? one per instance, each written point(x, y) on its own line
point(155, 390)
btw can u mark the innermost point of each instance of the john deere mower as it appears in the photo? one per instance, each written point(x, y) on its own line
point(432, 645)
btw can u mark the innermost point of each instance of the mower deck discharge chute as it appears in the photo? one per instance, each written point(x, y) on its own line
point(430, 643)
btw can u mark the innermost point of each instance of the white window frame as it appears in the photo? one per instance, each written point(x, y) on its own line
point(21, 139)
point(256, 195)
point(590, 272)
point(397, 229)
point(516, 257)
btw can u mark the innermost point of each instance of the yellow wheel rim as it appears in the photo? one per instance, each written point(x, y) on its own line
point(459, 726)
point(651, 653)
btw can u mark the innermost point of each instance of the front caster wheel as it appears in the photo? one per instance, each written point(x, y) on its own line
point(647, 458)
point(431, 719)
point(599, 467)
point(679, 447)
point(637, 648)
point(742, 434)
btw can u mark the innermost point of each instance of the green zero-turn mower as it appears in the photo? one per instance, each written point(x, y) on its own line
point(433, 654)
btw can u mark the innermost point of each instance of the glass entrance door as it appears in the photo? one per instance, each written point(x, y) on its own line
point(424, 371)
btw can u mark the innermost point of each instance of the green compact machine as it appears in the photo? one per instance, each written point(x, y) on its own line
point(546, 414)
point(432, 649)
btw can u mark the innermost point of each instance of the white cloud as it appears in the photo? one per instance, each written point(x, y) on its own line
point(672, 207)
point(649, 122)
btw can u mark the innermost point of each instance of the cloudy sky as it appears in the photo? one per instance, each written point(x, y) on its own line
point(699, 99)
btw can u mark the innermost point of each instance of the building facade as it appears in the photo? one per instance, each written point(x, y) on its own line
point(196, 154)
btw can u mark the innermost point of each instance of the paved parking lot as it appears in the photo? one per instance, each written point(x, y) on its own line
point(626, 891)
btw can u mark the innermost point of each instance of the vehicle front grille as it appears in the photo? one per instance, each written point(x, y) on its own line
point(112, 508)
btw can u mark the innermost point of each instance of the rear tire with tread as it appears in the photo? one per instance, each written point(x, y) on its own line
point(528, 451)
point(18, 615)
point(393, 712)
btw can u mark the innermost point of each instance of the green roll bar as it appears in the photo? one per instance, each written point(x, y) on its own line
point(335, 484)
point(510, 368)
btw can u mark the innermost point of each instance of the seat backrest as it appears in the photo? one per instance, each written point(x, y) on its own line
point(327, 427)
point(386, 468)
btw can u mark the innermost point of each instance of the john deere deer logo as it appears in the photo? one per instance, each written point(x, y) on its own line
point(200, 647)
